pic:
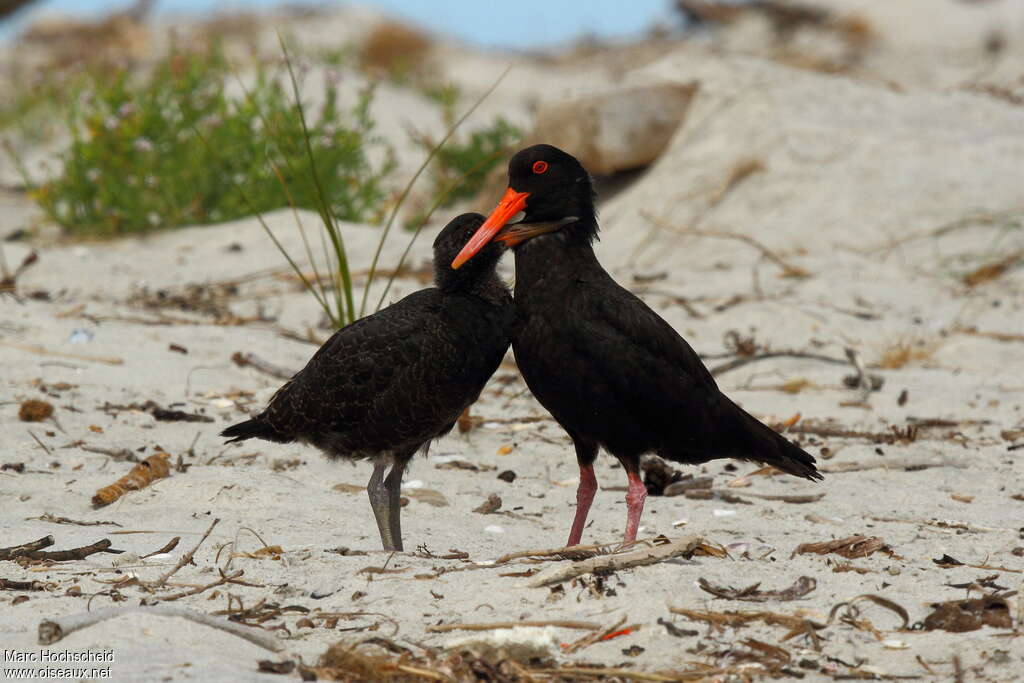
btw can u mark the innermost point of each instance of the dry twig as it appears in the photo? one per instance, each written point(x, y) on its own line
point(18, 550)
point(171, 545)
point(48, 517)
point(682, 547)
point(185, 559)
point(102, 546)
point(53, 630)
point(242, 359)
point(594, 637)
point(572, 552)
point(850, 547)
point(745, 360)
point(752, 593)
point(224, 579)
point(787, 269)
point(580, 625)
point(991, 271)
point(11, 585)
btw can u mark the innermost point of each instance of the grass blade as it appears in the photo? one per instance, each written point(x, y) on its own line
point(325, 212)
point(412, 181)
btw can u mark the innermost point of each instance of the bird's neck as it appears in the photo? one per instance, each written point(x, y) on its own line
point(550, 263)
point(489, 288)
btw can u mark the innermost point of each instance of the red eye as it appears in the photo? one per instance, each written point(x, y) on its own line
point(540, 167)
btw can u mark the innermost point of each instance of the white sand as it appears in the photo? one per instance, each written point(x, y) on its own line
point(850, 169)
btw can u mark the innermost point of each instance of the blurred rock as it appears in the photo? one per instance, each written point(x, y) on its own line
point(617, 130)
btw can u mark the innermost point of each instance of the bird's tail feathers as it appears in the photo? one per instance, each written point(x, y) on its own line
point(766, 445)
point(254, 429)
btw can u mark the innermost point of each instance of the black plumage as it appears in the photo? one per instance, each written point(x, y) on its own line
point(610, 370)
point(388, 384)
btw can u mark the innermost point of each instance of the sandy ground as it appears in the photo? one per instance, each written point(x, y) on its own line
point(883, 199)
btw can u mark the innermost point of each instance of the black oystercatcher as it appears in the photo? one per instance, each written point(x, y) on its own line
point(387, 385)
point(607, 367)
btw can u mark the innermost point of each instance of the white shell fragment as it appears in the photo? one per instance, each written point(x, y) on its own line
point(519, 643)
point(222, 405)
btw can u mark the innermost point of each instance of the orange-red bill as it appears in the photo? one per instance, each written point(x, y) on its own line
point(511, 203)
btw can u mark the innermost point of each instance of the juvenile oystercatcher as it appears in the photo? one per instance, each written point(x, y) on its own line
point(387, 385)
point(610, 370)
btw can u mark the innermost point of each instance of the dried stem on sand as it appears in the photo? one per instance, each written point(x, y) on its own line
point(53, 630)
point(682, 547)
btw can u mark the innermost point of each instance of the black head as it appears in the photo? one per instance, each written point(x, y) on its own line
point(450, 241)
point(554, 193)
point(555, 182)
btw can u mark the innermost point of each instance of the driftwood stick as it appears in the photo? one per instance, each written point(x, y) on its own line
point(101, 546)
point(185, 559)
point(48, 517)
point(53, 630)
point(16, 550)
point(580, 625)
point(11, 585)
point(241, 359)
point(571, 552)
point(610, 563)
point(171, 545)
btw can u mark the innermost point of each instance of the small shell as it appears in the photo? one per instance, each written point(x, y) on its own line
point(222, 405)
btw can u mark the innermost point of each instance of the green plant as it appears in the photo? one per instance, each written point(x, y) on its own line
point(170, 148)
point(336, 283)
point(33, 108)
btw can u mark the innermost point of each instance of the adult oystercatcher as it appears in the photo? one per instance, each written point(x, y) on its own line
point(388, 384)
point(610, 370)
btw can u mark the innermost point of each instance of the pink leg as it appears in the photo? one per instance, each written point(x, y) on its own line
point(584, 497)
point(635, 497)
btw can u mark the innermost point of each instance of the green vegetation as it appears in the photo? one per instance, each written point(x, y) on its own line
point(33, 111)
point(166, 146)
point(169, 148)
point(333, 289)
